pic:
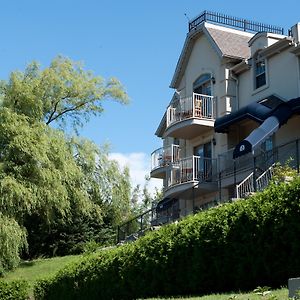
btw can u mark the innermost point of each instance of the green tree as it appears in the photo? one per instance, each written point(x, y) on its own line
point(63, 92)
point(64, 190)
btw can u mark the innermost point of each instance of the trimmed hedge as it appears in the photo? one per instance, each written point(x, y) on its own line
point(236, 246)
point(14, 290)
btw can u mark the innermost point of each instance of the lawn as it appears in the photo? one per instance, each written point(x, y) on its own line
point(40, 268)
point(280, 294)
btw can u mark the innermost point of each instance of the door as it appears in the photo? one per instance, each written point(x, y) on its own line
point(203, 162)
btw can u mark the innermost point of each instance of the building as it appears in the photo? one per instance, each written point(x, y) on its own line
point(234, 113)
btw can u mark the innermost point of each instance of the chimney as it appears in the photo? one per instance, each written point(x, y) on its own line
point(295, 32)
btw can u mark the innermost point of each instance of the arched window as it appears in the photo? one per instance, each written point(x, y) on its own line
point(202, 85)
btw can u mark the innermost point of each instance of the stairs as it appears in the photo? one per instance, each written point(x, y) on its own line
point(247, 187)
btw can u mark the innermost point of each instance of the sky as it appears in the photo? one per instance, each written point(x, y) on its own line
point(137, 41)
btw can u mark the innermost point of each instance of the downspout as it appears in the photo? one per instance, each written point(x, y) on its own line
point(234, 77)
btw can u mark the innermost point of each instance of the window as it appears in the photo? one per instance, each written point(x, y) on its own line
point(202, 85)
point(260, 73)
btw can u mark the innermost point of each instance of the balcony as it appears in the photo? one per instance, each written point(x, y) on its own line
point(190, 117)
point(191, 176)
point(162, 158)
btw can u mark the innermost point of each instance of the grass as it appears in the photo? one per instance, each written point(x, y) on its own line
point(280, 294)
point(40, 268)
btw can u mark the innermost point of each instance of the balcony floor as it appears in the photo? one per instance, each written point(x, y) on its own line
point(159, 172)
point(189, 128)
point(190, 189)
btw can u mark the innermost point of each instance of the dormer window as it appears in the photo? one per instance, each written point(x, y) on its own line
point(260, 73)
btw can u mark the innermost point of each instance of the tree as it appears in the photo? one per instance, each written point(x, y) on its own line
point(62, 191)
point(62, 93)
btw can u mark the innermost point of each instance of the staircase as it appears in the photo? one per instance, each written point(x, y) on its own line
point(246, 187)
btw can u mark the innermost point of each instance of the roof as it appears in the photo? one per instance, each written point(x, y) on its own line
point(227, 42)
point(230, 44)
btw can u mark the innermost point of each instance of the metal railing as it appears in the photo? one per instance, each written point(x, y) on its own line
point(233, 22)
point(164, 156)
point(196, 106)
point(264, 179)
point(246, 187)
point(194, 168)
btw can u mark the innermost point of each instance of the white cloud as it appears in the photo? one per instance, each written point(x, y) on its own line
point(139, 166)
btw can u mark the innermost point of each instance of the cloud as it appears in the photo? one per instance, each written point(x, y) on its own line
point(139, 166)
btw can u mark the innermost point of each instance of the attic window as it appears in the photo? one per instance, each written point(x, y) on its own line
point(260, 73)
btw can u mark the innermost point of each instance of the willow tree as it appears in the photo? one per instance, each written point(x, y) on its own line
point(63, 92)
point(46, 179)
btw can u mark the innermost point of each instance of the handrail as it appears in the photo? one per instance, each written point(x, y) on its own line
point(164, 156)
point(263, 180)
point(190, 169)
point(198, 106)
point(246, 186)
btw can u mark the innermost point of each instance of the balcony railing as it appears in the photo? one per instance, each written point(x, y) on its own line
point(194, 168)
point(164, 156)
point(197, 106)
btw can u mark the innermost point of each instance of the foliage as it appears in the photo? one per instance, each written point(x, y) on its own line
point(235, 246)
point(14, 290)
point(50, 183)
point(38, 172)
point(62, 92)
point(13, 240)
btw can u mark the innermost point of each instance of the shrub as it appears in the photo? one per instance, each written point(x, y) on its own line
point(14, 290)
point(13, 240)
point(238, 245)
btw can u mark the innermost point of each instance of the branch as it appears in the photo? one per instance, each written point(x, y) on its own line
point(55, 108)
point(65, 111)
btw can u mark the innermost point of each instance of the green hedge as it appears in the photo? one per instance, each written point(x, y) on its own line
point(14, 290)
point(236, 246)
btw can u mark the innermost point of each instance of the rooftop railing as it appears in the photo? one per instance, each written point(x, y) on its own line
point(233, 22)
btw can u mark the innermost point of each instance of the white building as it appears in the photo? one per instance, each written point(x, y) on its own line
point(236, 91)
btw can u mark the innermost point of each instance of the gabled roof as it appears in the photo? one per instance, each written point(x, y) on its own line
point(231, 44)
point(227, 42)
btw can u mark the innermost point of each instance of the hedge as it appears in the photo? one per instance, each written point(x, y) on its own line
point(14, 290)
point(236, 246)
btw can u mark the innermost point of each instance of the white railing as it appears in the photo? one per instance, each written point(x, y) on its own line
point(196, 106)
point(264, 179)
point(245, 187)
point(194, 168)
point(164, 156)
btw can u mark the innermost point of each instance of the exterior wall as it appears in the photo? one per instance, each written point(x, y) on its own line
point(288, 132)
point(203, 59)
point(282, 79)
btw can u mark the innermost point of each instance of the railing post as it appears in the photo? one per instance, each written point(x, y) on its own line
point(220, 187)
point(254, 174)
point(234, 178)
point(193, 104)
point(193, 166)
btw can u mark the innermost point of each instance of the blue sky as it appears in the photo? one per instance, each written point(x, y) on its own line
point(137, 41)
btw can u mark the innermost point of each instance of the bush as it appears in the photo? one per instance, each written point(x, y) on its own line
point(13, 240)
point(238, 245)
point(15, 290)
